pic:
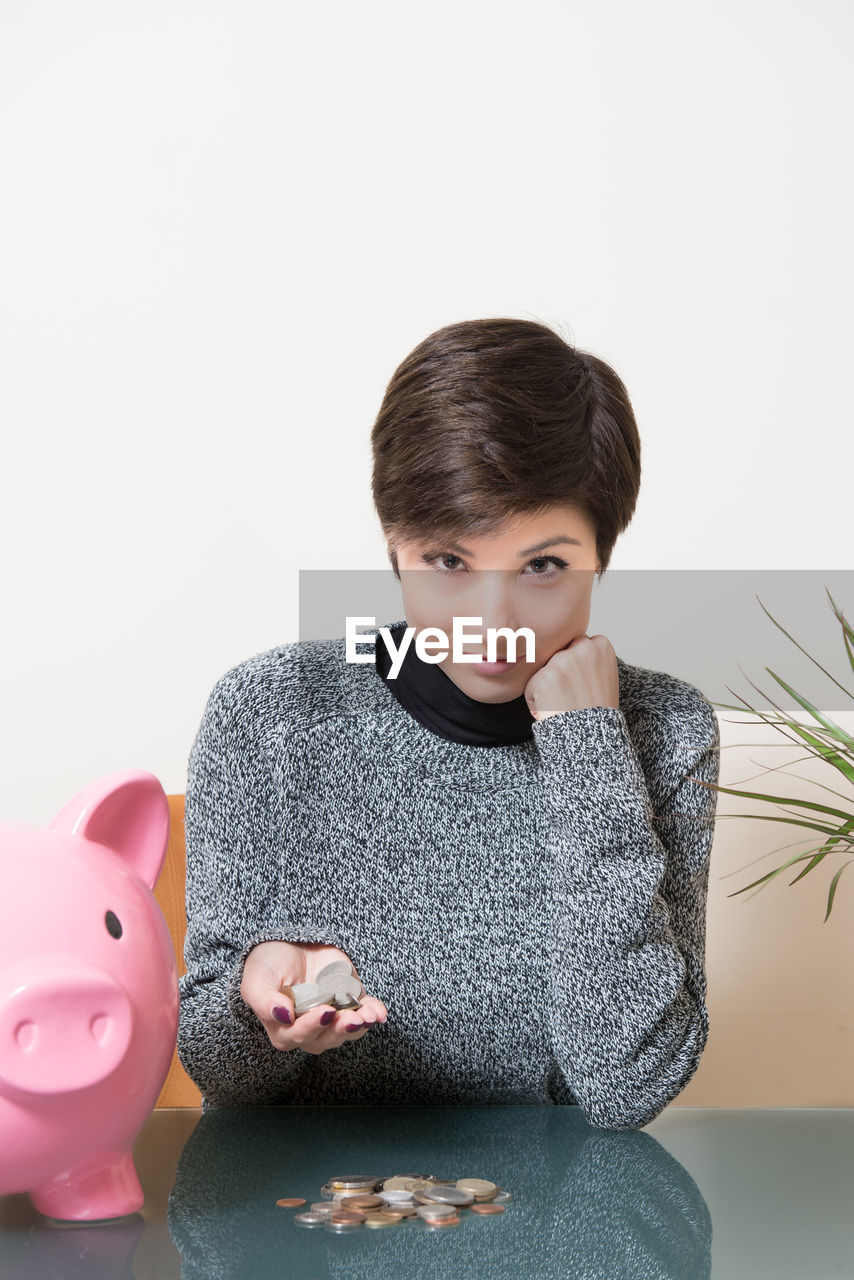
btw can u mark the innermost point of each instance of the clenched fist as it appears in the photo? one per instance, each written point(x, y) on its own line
point(584, 674)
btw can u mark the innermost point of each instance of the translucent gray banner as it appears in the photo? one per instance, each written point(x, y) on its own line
point(706, 626)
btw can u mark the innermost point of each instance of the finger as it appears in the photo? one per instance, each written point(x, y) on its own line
point(283, 1006)
point(303, 1031)
point(375, 1007)
point(369, 1012)
point(270, 1004)
point(347, 1024)
point(326, 1030)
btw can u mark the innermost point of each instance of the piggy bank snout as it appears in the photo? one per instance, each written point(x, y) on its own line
point(63, 1028)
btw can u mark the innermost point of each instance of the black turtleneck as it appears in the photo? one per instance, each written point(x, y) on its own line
point(435, 701)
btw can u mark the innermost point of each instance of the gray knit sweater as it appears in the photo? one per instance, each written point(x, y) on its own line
point(531, 915)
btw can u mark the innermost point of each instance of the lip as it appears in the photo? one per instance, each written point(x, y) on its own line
point(494, 668)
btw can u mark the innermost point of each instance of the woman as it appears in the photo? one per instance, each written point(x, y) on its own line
point(514, 858)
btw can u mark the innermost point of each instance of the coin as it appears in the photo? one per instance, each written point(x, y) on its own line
point(346, 1215)
point(353, 1180)
point(333, 968)
point(362, 1201)
point(404, 1182)
point(359, 1200)
point(446, 1195)
point(396, 1197)
point(477, 1186)
point(307, 995)
point(336, 985)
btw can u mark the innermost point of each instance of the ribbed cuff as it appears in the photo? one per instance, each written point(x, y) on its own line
point(596, 779)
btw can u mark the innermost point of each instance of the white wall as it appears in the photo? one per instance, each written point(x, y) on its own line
point(222, 225)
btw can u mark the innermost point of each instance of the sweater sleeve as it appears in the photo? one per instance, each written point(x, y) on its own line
point(235, 847)
point(627, 1008)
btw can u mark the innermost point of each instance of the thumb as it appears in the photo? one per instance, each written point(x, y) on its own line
point(271, 1002)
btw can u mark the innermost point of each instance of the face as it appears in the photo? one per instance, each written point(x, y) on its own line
point(537, 572)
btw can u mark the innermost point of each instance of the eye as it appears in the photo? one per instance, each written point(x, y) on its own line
point(442, 556)
point(114, 924)
point(559, 566)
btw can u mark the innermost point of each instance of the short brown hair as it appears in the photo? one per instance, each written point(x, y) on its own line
point(486, 421)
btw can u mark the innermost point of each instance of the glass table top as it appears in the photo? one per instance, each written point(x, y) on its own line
point(698, 1192)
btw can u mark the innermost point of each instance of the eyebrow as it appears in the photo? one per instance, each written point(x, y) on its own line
point(541, 546)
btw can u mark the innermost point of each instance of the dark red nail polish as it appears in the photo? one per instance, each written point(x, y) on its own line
point(353, 1026)
point(281, 1014)
point(327, 1017)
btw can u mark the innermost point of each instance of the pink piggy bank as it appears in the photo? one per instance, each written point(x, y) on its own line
point(88, 997)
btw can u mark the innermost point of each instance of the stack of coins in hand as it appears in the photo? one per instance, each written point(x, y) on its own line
point(434, 1203)
point(336, 984)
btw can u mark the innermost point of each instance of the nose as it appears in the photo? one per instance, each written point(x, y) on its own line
point(62, 1028)
point(493, 601)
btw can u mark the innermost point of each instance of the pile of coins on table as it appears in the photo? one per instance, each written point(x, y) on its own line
point(435, 1203)
point(336, 984)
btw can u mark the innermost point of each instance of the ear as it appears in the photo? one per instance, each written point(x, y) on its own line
point(129, 813)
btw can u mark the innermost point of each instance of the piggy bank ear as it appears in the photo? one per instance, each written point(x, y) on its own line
point(126, 811)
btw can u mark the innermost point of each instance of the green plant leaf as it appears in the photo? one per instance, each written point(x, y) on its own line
point(826, 740)
point(840, 734)
point(766, 879)
point(847, 692)
point(808, 734)
point(828, 847)
point(795, 822)
point(822, 719)
point(761, 795)
point(833, 885)
point(769, 853)
point(830, 754)
point(847, 633)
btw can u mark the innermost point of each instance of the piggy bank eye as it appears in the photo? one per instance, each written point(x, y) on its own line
point(114, 925)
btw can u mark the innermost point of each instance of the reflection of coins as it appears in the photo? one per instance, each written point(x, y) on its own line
point(290, 1203)
point(310, 1218)
point(435, 1210)
point(433, 1224)
point(487, 1208)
